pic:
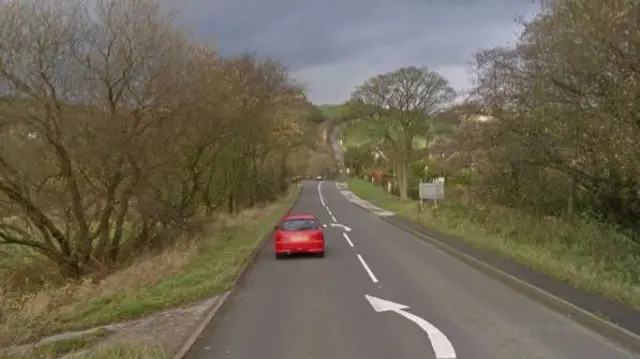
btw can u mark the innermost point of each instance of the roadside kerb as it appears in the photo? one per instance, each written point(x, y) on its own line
point(606, 328)
point(222, 299)
point(599, 325)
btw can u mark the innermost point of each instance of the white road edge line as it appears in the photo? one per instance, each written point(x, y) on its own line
point(320, 194)
point(324, 204)
point(366, 267)
point(348, 239)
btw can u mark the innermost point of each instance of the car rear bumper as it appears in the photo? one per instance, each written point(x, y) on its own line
point(301, 247)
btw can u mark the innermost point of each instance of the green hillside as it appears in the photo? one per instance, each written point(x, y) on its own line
point(332, 111)
point(356, 134)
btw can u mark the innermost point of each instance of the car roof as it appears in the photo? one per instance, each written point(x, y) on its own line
point(299, 216)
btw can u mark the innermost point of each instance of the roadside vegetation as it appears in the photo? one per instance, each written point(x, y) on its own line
point(187, 271)
point(125, 351)
point(332, 112)
point(138, 168)
point(541, 163)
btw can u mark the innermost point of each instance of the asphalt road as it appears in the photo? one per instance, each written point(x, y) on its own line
point(315, 308)
point(337, 150)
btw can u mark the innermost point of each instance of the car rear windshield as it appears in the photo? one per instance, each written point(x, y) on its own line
point(299, 225)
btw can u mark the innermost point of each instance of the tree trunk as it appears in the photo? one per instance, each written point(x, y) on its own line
point(231, 202)
point(405, 162)
point(403, 182)
point(572, 198)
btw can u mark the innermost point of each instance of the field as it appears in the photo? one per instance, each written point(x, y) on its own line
point(331, 111)
point(356, 134)
point(188, 272)
point(576, 254)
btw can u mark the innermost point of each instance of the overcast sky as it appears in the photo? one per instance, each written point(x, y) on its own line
point(334, 45)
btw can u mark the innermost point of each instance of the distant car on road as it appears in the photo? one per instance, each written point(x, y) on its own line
point(318, 178)
point(299, 233)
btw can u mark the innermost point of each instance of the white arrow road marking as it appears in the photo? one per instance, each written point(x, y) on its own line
point(341, 225)
point(442, 347)
point(348, 239)
point(369, 271)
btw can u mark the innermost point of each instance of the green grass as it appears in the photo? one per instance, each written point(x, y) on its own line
point(125, 351)
point(356, 134)
point(62, 347)
point(131, 351)
point(332, 111)
point(376, 195)
point(175, 278)
point(588, 255)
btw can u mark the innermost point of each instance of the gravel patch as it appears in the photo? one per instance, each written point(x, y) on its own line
point(169, 329)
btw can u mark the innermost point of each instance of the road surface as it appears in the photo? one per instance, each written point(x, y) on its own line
point(317, 308)
point(335, 145)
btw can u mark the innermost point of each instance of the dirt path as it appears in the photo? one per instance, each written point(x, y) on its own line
point(169, 329)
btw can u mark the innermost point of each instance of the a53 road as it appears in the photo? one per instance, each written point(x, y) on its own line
point(380, 293)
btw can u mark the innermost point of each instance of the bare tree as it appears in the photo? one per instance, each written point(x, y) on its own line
point(116, 130)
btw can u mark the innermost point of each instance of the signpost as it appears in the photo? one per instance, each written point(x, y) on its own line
point(431, 190)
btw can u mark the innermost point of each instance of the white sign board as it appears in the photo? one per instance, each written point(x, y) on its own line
point(433, 191)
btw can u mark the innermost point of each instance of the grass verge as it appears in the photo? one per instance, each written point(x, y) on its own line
point(125, 351)
point(61, 347)
point(587, 255)
point(188, 272)
point(130, 351)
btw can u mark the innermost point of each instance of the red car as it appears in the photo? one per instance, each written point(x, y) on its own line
point(299, 233)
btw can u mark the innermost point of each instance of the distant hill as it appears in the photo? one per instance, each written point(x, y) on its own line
point(356, 133)
point(332, 111)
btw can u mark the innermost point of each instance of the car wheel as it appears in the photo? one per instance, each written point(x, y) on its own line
point(321, 254)
point(279, 256)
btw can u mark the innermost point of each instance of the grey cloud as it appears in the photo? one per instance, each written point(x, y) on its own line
point(332, 44)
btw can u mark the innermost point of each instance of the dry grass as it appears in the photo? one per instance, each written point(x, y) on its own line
point(128, 351)
point(131, 351)
point(185, 273)
point(61, 347)
point(591, 256)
